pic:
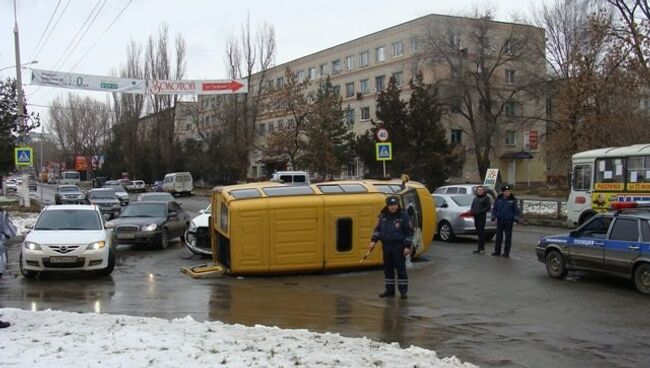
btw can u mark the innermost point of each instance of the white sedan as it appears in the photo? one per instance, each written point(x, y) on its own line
point(68, 238)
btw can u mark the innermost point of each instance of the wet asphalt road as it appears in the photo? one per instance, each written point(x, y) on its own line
point(486, 310)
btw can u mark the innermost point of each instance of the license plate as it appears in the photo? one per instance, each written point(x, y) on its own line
point(63, 259)
point(126, 236)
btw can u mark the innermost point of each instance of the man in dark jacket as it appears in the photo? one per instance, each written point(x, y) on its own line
point(480, 207)
point(396, 234)
point(505, 212)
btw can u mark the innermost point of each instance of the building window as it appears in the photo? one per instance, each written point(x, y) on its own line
point(365, 113)
point(279, 82)
point(323, 70)
point(510, 76)
point(510, 108)
point(312, 73)
point(398, 78)
point(414, 44)
point(398, 49)
point(349, 89)
point(381, 55)
point(301, 75)
point(271, 127)
point(364, 58)
point(379, 83)
point(364, 86)
point(456, 136)
point(188, 126)
point(269, 84)
point(336, 90)
point(336, 66)
point(349, 116)
point(349, 62)
point(261, 129)
point(510, 138)
point(344, 235)
point(455, 104)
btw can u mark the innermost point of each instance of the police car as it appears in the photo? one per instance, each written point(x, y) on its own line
point(614, 243)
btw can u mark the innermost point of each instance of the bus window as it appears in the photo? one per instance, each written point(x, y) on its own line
point(582, 178)
point(638, 169)
point(610, 170)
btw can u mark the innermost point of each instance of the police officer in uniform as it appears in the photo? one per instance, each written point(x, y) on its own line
point(396, 234)
point(506, 213)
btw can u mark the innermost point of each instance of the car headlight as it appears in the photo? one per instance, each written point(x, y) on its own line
point(97, 245)
point(32, 246)
point(150, 227)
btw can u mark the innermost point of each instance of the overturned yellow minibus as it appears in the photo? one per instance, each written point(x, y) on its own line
point(267, 227)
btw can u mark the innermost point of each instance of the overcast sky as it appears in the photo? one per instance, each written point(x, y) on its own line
point(302, 27)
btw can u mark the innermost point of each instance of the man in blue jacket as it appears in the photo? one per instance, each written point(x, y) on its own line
point(506, 213)
point(396, 234)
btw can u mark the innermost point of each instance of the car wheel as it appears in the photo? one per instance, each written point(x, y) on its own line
point(489, 236)
point(111, 265)
point(445, 231)
point(642, 278)
point(555, 265)
point(164, 239)
point(26, 273)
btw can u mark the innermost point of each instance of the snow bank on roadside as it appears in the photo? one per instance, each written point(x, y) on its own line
point(23, 221)
point(63, 339)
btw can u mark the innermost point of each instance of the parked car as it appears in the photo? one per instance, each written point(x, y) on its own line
point(11, 185)
point(180, 183)
point(464, 189)
point(68, 238)
point(151, 223)
point(69, 194)
point(197, 237)
point(136, 186)
point(99, 181)
point(119, 190)
point(614, 243)
point(291, 177)
point(454, 217)
point(106, 201)
point(157, 186)
point(155, 197)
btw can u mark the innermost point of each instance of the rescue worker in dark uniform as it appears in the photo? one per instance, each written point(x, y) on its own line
point(396, 234)
point(506, 213)
point(480, 207)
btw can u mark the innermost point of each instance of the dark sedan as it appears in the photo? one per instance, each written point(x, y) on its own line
point(151, 223)
point(69, 194)
point(108, 203)
point(155, 197)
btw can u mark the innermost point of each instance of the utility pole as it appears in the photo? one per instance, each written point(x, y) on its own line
point(21, 104)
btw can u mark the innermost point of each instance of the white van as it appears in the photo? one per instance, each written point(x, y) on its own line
point(291, 177)
point(70, 177)
point(178, 183)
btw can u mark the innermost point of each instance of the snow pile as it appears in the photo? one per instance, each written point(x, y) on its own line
point(23, 221)
point(62, 339)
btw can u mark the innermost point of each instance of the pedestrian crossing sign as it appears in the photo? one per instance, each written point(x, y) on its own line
point(23, 156)
point(384, 151)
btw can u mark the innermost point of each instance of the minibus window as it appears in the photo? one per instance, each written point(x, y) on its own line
point(223, 221)
point(344, 234)
point(353, 188)
point(330, 189)
point(245, 193)
point(287, 191)
point(384, 188)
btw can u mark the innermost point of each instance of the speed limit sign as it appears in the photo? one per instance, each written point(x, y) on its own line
point(382, 134)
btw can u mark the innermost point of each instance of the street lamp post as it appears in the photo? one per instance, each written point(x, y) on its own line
point(23, 65)
point(21, 109)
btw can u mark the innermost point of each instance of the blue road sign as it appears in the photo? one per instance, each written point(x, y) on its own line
point(23, 156)
point(384, 151)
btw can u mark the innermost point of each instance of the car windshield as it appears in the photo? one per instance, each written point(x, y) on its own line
point(158, 197)
point(69, 220)
point(145, 210)
point(69, 189)
point(463, 200)
point(103, 194)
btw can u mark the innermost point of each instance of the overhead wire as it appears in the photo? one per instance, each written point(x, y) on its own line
point(51, 30)
point(45, 30)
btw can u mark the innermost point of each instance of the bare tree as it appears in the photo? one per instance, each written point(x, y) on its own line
point(632, 28)
point(248, 56)
point(492, 72)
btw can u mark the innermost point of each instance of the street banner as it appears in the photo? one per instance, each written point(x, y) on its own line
point(87, 82)
point(491, 178)
point(197, 87)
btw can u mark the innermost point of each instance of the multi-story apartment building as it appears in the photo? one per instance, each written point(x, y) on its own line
point(361, 68)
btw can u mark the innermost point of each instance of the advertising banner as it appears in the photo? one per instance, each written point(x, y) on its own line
point(87, 82)
point(197, 87)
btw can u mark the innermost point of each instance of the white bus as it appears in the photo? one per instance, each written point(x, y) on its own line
point(70, 177)
point(605, 175)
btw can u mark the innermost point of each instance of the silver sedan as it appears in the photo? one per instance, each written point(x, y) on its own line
point(454, 217)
